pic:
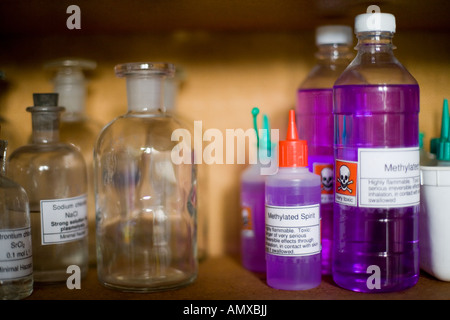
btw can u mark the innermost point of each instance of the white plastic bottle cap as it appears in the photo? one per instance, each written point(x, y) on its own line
point(375, 22)
point(334, 34)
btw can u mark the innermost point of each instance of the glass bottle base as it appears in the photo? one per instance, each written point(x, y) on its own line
point(16, 289)
point(177, 279)
point(368, 284)
point(55, 276)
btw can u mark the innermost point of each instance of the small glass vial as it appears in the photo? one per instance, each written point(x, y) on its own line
point(293, 240)
point(16, 261)
point(54, 176)
point(145, 201)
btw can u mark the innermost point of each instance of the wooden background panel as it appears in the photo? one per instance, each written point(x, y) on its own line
point(227, 73)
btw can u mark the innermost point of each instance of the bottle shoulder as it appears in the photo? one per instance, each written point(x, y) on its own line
point(137, 130)
point(8, 184)
point(252, 174)
point(34, 153)
point(323, 76)
point(380, 68)
point(300, 176)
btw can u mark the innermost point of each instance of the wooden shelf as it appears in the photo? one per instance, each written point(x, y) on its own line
point(224, 278)
point(48, 17)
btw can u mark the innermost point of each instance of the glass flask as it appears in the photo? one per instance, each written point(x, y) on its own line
point(16, 261)
point(145, 202)
point(76, 126)
point(54, 176)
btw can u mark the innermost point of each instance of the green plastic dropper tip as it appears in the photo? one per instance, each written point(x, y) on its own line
point(266, 143)
point(445, 121)
point(255, 112)
point(443, 145)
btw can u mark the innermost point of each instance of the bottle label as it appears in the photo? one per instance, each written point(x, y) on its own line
point(382, 178)
point(63, 220)
point(16, 260)
point(325, 171)
point(293, 231)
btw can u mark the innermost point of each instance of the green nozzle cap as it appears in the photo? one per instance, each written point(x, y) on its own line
point(265, 147)
point(264, 143)
point(443, 144)
point(421, 136)
point(255, 112)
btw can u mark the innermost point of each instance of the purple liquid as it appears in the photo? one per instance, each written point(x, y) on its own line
point(301, 272)
point(315, 120)
point(253, 234)
point(372, 116)
point(316, 126)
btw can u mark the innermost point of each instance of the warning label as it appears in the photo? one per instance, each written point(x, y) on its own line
point(325, 171)
point(293, 231)
point(346, 182)
point(389, 177)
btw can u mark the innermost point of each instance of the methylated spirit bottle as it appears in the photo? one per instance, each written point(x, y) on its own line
point(16, 261)
point(54, 176)
point(292, 200)
point(377, 177)
point(145, 201)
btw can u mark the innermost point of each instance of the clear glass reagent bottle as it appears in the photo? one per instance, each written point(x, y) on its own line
point(16, 260)
point(76, 126)
point(145, 203)
point(54, 176)
point(377, 170)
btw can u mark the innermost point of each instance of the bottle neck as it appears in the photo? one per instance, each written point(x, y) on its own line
point(375, 42)
point(70, 84)
point(3, 156)
point(333, 54)
point(145, 93)
point(45, 127)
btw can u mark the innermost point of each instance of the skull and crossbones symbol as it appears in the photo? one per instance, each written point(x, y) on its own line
point(344, 176)
point(327, 179)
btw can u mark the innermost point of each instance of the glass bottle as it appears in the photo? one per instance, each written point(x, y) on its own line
point(76, 127)
point(16, 261)
point(315, 118)
point(172, 88)
point(54, 176)
point(9, 132)
point(377, 178)
point(145, 201)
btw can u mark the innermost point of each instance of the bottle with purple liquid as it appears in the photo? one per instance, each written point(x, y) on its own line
point(376, 114)
point(253, 254)
point(293, 242)
point(315, 118)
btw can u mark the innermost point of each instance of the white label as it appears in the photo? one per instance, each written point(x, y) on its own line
point(388, 177)
point(293, 231)
point(16, 260)
point(63, 220)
